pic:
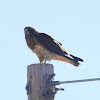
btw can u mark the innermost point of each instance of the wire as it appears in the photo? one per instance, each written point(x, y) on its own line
point(76, 81)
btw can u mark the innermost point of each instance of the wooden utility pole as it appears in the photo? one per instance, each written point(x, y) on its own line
point(37, 80)
point(40, 85)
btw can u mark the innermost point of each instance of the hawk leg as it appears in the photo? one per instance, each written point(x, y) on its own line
point(41, 60)
point(44, 60)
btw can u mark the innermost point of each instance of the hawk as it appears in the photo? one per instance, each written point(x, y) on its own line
point(47, 48)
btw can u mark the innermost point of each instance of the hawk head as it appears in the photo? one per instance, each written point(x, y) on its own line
point(29, 31)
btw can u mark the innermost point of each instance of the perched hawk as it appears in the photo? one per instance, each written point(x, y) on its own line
point(47, 48)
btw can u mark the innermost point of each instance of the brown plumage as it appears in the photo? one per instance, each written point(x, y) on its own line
point(47, 48)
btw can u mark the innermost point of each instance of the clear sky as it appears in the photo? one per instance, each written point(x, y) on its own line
point(74, 23)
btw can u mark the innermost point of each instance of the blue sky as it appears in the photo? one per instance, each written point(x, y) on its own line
point(74, 23)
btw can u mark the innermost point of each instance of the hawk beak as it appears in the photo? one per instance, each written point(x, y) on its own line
point(26, 32)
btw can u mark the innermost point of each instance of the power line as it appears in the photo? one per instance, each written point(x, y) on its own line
point(74, 81)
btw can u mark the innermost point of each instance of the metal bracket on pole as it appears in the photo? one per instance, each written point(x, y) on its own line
point(51, 90)
point(28, 87)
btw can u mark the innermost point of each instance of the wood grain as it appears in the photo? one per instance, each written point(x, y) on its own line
point(36, 73)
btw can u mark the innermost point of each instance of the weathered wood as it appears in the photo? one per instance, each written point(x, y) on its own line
point(36, 73)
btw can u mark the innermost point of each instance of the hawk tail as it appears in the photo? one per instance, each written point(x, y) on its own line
point(73, 60)
point(75, 63)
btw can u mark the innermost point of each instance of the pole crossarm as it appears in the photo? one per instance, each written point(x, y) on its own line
point(73, 81)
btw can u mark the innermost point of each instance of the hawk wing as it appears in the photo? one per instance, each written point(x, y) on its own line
point(52, 45)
